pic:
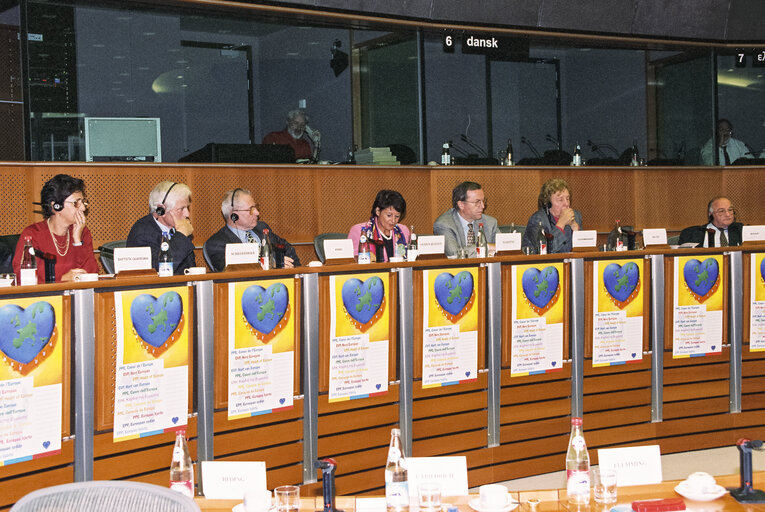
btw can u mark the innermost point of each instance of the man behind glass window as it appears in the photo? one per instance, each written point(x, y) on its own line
point(296, 134)
point(459, 225)
point(721, 230)
point(728, 149)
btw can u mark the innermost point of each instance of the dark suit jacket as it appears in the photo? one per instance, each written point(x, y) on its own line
point(146, 233)
point(216, 246)
point(697, 233)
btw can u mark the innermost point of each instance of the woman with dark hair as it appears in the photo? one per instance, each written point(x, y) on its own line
point(388, 237)
point(62, 236)
point(556, 217)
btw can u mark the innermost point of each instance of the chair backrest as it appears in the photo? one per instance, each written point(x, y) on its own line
point(7, 250)
point(106, 496)
point(318, 242)
point(673, 240)
point(208, 260)
point(508, 228)
point(107, 254)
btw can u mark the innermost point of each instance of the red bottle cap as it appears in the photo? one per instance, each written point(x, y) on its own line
point(576, 421)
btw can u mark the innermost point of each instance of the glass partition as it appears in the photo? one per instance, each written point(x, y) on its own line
point(230, 78)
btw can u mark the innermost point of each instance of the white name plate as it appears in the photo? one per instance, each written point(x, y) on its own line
point(242, 253)
point(654, 236)
point(507, 242)
point(449, 472)
point(229, 480)
point(634, 465)
point(132, 258)
point(585, 238)
point(430, 244)
point(753, 234)
point(337, 249)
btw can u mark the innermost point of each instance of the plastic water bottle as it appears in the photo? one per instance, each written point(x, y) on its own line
point(181, 469)
point(28, 272)
point(577, 466)
point(481, 244)
point(165, 257)
point(365, 251)
point(396, 476)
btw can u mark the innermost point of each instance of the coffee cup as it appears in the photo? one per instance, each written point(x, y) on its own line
point(700, 483)
point(87, 276)
point(7, 280)
point(195, 271)
point(257, 500)
point(493, 496)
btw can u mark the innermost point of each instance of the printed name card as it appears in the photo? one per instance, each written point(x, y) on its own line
point(242, 253)
point(634, 465)
point(432, 244)
point(449, 472)
point(585, 238)
point(507, 242)
point(655, 236)
point(132, 258)
point(753, 234)
point(337, 249)
point(229, 480)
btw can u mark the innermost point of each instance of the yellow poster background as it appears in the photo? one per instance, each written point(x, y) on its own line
point(759, 285)
point(50, 371)
point(380, 330)
point(554, 315)
point(605, 304)
point(178, 353)
point(284, 340)
point(684, 297)
point(469, 321)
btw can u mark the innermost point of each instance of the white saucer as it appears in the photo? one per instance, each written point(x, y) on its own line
point(475, 504)
point(717, 492)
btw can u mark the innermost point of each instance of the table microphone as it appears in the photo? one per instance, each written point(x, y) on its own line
point(328, 467)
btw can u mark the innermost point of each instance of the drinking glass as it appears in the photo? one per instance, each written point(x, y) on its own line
point(604, 485)
point(429, 495)
point(287, 498)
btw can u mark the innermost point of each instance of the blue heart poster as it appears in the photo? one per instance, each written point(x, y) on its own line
point(697, 318)
point(617, 317)
point(536, 344)
point(261, 347)
point(450, 326)
point(32, 344)
point(757, 302)
point(152, 364)
point(359, 335)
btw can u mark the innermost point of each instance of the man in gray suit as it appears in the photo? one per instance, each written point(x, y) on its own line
point(460, 223)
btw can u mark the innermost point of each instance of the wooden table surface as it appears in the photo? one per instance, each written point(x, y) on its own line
point(552, 500)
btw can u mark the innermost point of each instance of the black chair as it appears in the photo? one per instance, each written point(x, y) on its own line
point(318, 243)
point(508, 228)
point(7, 250)
point(107, 254)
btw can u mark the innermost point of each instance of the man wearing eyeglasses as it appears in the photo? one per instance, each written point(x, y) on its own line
point(721, 230)
point(459, 225)
point(728, 149)
point(243, 225)
point(169, 213)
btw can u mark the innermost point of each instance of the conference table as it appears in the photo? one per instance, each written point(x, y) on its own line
point(549, 500)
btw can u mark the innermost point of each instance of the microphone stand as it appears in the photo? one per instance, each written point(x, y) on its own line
point(473, 145)
point(746, 493)
point(526, 141)
point(550, 138)
point(596, 149)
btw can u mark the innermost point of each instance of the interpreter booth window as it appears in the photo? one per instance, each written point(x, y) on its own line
point(213, 80)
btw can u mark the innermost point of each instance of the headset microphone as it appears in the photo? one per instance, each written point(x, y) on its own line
point(161, 207)
point(234, 216)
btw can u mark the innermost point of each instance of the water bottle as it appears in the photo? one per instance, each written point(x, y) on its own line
point(577, 161)
point(365, 251)
point(413, 250)
point(396, 479)
point(165, 257)
point(541, 240)
point(266, 252)
point(619, 236)
point(635, 161)
point(577, 466)
point(446, 156)
point(509, 153)
point(28, 272)
point(181, 469)
point(481, 244)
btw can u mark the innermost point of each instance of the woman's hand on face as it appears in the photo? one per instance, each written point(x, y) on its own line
point(79, 225)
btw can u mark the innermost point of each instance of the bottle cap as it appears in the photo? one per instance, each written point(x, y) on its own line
point(576, 421)
point(395, 431)
point(181, 432)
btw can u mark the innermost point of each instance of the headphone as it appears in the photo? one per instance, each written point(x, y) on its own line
point(234, 216)
point(160, 207)
point(57, 206)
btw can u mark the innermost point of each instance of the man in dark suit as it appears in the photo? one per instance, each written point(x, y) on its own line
point(722, 229)
point(459, 225)
point(169, 204)
point(243, 226)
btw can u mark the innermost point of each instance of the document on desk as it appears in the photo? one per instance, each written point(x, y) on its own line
point(450, 326)
point(359, 334)
point(261, 346)
point(757, 303)
point(617, 312)
point(152, 363)
point(537, 293)
point(32, 342)
point(698, 306)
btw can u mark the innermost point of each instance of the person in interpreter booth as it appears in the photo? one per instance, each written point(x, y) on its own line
point(304, 141)
point(728, 149)
point(169, 214)
point(243, 225)
point(557, 218)
point(722, 229)
point(62, 237)
point(460, 224)
point(388, 237)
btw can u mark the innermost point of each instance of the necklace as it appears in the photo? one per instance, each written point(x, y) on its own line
point(59, 247)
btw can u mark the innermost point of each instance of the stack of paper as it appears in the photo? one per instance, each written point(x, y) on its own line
point(376, 156)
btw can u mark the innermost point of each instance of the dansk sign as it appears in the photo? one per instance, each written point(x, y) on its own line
point(497, 47)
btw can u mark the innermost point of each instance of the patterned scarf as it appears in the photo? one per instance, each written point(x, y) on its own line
point(378, 244)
